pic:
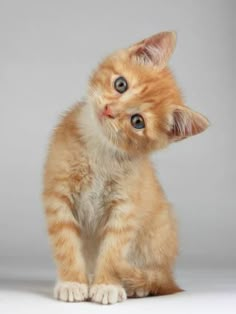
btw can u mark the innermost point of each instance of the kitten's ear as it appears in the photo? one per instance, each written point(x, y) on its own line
point(155, 50)
point(183, 122)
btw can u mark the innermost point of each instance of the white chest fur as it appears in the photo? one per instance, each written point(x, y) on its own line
point(108, 175)
point(90, 203)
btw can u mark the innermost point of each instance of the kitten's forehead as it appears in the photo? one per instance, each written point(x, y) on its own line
point(147, 86)
point(137, 77)
point(121, 64)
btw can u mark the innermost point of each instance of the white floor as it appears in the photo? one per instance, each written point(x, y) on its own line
point(207, 291)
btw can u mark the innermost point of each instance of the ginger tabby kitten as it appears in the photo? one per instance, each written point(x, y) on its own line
point(112, 230)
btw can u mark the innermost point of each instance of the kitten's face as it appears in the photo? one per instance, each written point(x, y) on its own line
point(137, 104)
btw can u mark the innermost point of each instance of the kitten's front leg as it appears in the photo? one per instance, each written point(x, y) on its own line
point(107, 287)
point(64, 233)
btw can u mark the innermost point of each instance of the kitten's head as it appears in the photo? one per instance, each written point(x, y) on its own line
point(137, 104)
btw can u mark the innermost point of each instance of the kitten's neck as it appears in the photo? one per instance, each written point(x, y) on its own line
point(97, 144)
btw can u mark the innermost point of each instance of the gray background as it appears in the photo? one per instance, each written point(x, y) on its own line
point(47, 50)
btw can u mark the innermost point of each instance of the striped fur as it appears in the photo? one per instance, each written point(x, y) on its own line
point(111, 228)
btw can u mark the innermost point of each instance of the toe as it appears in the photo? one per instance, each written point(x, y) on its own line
point(71, 291)
point(107, 294)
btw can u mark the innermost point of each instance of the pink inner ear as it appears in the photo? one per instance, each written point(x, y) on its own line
point(145, 54)
point(156, 50)
point(187, 123)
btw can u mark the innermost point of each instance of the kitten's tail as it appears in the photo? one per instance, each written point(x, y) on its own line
point(156, 282)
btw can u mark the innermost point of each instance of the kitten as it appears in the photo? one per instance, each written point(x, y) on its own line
point(112, 230)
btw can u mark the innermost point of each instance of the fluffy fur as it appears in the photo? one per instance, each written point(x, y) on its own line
point(112, 230)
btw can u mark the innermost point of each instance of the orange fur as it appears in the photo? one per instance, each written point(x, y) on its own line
point(107, 214)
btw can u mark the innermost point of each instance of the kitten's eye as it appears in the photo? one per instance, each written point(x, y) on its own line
point(137, 121)
point(121, 85)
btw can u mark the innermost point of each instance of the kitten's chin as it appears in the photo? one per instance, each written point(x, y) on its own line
point(111, 140)
point(106, 132)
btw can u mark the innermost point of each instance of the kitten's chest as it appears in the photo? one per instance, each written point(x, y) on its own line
point(92, 201)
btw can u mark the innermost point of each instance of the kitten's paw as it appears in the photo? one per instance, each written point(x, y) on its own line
point(107, 294)
point(71, 291)
point(138, 293)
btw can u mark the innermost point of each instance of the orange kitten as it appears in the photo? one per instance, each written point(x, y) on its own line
point(111, 227)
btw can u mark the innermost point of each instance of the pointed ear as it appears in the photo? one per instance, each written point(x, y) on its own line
point(183, 122)
point(155, 50)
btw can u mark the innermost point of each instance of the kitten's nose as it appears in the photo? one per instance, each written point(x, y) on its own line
point(107, 112)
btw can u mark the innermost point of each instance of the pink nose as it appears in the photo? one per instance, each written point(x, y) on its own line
point(107, 112)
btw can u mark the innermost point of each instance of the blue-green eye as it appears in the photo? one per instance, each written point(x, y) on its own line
point(137, 121)
point(121, 85)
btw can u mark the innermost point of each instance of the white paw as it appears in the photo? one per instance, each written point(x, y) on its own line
point(140, 293)
point(71, 291)
point(107, 294)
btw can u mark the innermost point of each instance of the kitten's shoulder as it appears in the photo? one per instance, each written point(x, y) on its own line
point(65, 144)
point(68, 125)
point(66, 137)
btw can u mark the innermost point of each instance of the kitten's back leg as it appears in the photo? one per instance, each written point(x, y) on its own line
point(140, 282)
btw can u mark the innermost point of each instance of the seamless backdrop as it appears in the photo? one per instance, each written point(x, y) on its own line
point(47, 50)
